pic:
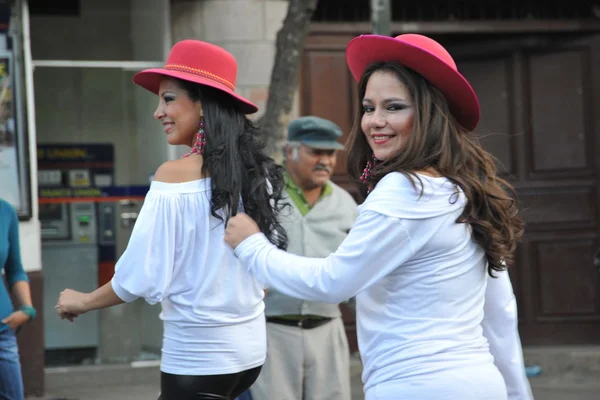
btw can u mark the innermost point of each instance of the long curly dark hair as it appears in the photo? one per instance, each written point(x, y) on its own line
point(237, 165)
point(438, 141)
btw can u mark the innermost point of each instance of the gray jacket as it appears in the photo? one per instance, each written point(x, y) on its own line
point(317, 234)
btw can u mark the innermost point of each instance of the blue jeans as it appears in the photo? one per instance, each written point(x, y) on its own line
point(11, 382)
point(245, 396)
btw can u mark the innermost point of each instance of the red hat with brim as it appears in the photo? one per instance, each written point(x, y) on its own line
point(199, 62)
point(425, 56)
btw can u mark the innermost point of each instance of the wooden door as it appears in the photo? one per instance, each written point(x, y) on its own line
point(328, 90)
point(540, 97)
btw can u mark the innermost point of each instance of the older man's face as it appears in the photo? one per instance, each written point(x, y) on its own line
point(309, 167)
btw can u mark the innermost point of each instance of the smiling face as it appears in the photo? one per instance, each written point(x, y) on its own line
point(177, 112)
point(388, 115)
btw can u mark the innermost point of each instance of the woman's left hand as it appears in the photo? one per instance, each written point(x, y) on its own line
point(16, 319)
point(239, 228)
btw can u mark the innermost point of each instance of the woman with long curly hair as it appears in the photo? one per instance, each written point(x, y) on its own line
point(214, 339)
point(427, 256)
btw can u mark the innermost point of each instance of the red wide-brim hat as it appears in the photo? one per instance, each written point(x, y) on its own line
point(199, 62)
point(425, 56)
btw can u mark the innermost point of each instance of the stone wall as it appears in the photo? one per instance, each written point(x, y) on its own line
point(246, 28)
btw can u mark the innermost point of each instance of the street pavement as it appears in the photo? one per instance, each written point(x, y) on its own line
point(141, 382)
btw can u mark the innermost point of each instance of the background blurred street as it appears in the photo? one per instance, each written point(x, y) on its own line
point(141, 382)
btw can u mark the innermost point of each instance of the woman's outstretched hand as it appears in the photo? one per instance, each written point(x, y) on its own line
point(239, 228)
point(71, 304)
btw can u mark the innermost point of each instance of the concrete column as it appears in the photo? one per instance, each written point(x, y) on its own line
point(129, 329)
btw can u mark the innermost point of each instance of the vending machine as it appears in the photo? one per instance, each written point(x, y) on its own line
point(74, 231)
point(70, 260)
point(86, 221)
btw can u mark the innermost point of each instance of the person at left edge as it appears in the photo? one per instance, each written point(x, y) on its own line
point(11, 320)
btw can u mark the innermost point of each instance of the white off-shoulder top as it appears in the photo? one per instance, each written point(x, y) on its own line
point(212, 308)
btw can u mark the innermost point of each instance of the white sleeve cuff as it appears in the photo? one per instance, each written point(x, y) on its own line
point(122, 293)
point(253, 241)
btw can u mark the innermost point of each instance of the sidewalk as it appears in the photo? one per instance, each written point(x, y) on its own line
point(141, 382)
point(566, 387)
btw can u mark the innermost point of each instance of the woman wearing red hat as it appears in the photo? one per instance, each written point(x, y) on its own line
point(214, 340)
point(427, 256)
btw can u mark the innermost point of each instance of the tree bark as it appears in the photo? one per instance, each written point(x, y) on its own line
point(284, 76)
point(381, 17)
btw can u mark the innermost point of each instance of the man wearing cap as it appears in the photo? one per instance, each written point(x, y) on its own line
point(307, 348)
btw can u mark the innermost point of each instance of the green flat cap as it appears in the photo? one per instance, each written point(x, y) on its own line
point(315, 132)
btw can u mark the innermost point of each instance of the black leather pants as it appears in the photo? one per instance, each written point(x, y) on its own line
point(206, 387)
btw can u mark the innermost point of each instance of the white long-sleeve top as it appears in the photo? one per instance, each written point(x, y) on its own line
point(212, 308)
point(420, 285)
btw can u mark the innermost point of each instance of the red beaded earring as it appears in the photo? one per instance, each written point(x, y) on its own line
point(367, 176)
point(199, 140)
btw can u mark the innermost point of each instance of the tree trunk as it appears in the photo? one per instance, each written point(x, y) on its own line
point(284, 76)
point(381, 17)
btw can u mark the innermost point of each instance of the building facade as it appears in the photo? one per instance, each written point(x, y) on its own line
point(84, 144)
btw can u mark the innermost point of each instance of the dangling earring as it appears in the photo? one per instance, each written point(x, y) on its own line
point(367, 176)
point(199, 140)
